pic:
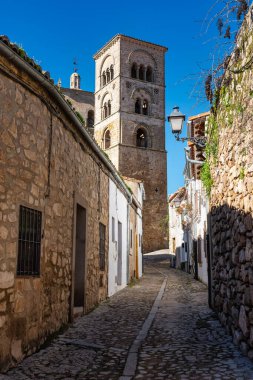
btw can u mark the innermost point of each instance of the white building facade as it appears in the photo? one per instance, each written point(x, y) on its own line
point(176, 233)
point(125, 235)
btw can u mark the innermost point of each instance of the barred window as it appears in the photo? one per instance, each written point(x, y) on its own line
point(29, 242)
point(101, 246)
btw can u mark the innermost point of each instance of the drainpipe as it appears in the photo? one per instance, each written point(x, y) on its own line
point(187, 151)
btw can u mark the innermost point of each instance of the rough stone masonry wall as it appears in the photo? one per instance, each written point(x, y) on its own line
point(32, 308)
point(150, 169)
point(232, 196)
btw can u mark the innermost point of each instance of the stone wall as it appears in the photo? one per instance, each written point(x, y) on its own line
point(154, 210)
point(232, 196)
point(45, 164)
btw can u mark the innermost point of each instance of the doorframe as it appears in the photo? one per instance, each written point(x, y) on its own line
point(78, 200)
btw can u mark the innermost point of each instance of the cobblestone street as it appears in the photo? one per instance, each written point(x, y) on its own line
point(160, 328)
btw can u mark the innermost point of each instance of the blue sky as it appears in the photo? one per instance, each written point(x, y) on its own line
point(54, 32)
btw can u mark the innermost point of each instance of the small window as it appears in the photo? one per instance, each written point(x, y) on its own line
point(108, 76)
point(141, 72)
point(131, 238)
point(101, 246)
point(141, 138)
point(138, 106)
point(134, 71)
point(113, 229)
point(104, 79)
point(109, 108)
point(29, 242)
point(107, 139)
point(149, 74)
point(112, 72)
point(145, 107)
point(105, 111)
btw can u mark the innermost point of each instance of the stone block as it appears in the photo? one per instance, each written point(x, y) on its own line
point(242, 256)
point(6, 280)
point(2, 320)
point(16, 349)
point(251, 294)
point(243, 322)
point(250, 354)
point(244, 348)
point(3, 233)
point(237, 337)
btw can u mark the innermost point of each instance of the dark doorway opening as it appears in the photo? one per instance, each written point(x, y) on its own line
point(79, 279)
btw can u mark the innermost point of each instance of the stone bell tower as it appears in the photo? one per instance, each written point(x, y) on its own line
point(130, 121)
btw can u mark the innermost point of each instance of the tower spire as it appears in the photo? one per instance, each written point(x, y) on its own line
point(75, 79)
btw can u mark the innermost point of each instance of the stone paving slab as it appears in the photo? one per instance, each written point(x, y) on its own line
point(184, 341)
point(96, 345)
point(187, 341)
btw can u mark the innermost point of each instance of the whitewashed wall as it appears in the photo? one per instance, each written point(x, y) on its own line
point(118, 209)
point(176, 232)
point(200, 207)
point(140, 230)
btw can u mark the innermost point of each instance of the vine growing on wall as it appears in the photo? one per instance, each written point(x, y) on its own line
point(228, 16)
point(228, 20)
point(211, 152)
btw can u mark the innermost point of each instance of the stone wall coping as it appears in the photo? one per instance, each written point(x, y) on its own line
point(12, 56)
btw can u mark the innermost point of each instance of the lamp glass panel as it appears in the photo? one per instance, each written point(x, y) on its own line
point(176, 124)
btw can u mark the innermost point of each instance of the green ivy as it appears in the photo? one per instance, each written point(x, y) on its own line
point(79, 117)
point(206, 177)
point(211, 151)
point(242, 173)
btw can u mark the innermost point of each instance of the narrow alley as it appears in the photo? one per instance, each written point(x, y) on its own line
point(158, 328)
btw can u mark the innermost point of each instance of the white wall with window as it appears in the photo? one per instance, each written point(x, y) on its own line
point(198, 226)
point(118, 240)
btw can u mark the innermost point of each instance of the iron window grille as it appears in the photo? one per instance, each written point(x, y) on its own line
point(101, 246)
point(29, 242)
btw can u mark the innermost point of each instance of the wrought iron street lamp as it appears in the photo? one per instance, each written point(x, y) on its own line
point(176, 119)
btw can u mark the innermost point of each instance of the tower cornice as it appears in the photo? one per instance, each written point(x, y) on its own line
point(118, 37)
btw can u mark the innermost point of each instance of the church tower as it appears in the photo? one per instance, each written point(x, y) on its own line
point(75, 81)
point(130, 120)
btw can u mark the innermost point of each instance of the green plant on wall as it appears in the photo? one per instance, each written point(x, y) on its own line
point(211, 152)
point(206, 177)
point(242, 173)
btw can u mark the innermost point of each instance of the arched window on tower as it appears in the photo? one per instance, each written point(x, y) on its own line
point(141, 138)
point(134, 70)
point(108, 76)
point(112, 72)
point(141, 72)
point(109, 107)
point(104, 79)
point(149, 74)
point(105, 111)
point(90, 119)
point(107, 139)
point(138, 106)
point(145, 107)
